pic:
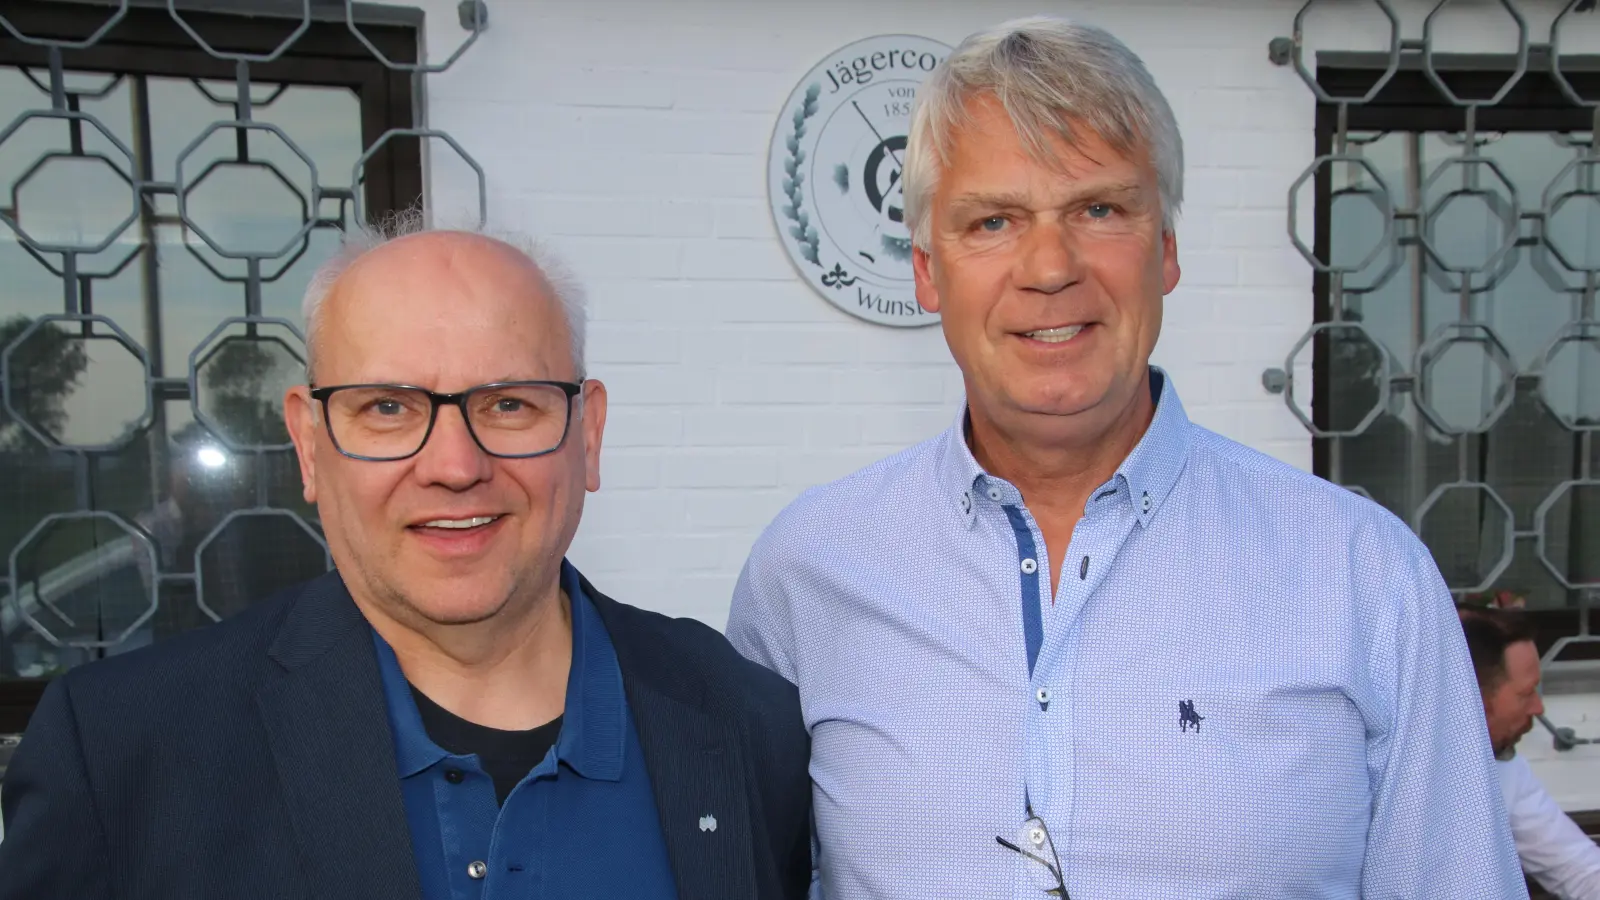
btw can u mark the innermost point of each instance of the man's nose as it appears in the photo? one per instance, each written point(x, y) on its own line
point(451, 457)
point(1049, 261)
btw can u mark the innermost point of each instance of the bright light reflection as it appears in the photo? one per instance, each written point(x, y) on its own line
point(211, 457)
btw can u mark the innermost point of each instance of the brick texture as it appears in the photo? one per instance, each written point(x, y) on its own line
point(632, 135)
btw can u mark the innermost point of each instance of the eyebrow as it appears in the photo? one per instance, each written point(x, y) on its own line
point(1117, 190)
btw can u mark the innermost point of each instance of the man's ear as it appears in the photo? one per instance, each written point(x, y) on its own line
point(593, 429)
point(922, 271)
point(1170, 271)
point(300, 416)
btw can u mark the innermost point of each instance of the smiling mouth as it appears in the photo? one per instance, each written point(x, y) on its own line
point(1055, 335)
point(459, 524)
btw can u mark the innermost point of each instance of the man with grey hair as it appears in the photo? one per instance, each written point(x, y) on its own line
point(1077, 645)
point(454, 712)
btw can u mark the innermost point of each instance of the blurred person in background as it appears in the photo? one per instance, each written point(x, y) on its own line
point(1553, 849)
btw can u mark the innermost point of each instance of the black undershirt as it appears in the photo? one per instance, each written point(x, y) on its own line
point(508, 756)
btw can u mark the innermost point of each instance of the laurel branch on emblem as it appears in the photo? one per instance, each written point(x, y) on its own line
point(802, 230)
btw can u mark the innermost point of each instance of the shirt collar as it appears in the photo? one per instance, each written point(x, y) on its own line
point(1149, 472)
point(594, 723)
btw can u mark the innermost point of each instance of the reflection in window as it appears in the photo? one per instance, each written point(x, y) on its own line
point(1471, 258)
point(203, 507)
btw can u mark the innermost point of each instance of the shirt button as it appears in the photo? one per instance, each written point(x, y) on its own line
point(1042, 695)
point(994, 494)
point(1029, 567)
point(1145, 503)
point(476, 869)
point(1036, 835)
point(454, 776)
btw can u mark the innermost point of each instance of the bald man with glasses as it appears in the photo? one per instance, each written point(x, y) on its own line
point(455, 712)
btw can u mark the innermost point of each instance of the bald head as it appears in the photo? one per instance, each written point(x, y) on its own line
point(402, 256)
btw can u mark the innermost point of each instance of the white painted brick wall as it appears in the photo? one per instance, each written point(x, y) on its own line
point(632, 135)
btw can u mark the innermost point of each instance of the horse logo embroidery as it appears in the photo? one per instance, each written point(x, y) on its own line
point(1187, 716)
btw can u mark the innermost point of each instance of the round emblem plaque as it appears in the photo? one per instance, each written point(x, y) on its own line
point(834, 176)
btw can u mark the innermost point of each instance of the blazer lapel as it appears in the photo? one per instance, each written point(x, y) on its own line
point(695, 758)
point(697, 774)
point(329, 732)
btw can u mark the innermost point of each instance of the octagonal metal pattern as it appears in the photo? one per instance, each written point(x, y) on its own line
point(266, 276)
point(228, 520)
point(1297, 56)
point(1382, 202)
point(1508, 535)
point(478, 25)
point(8, 381)
point(58, 158)
point(1541, 530)
point(206, 352)
point(423, 133)
point(1559, 76)
point(1386, 364)
point(1518, 71)
point(112, 79)
point(182, 187)
point(1437, 345)
point(107, 558)
point(1579, 334)
point(266, 101)
point(305, 23)
point(133, 213)
point(100, 32)
point(1510, 220)
point(1579, 166)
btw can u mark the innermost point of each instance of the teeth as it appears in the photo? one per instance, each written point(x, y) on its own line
point(473, 522)
point(1056, 335)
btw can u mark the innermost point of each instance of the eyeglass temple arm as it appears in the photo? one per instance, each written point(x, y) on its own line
point(1010, 846)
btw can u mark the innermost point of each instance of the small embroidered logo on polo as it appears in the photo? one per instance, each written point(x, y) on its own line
point(1187, 716)
point(708, 823)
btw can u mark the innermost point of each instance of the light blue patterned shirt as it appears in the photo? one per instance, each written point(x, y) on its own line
point(1250, 683)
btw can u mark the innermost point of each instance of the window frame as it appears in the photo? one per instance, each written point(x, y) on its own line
point(1410, 103)
point(147, 42)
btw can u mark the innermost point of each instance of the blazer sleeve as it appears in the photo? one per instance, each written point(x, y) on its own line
point(54, 846)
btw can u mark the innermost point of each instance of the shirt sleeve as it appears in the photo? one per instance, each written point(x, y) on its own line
point(760, 619)
point(1439, 827)
point(54, 845)
point(1554, 850)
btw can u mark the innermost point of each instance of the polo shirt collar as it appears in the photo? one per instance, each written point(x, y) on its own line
point(594, 723)
point(1149, 472)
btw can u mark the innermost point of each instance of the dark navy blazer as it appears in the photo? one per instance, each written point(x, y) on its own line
point(254, 759)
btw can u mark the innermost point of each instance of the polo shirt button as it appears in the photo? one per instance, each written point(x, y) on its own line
point(1029, 567)
point(476, 869)
point(454, 776)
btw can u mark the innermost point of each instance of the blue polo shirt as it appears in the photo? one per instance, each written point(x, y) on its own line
point(582, 824)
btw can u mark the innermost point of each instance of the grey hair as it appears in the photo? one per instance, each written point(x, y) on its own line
point(1049, 75)
point(358, 242)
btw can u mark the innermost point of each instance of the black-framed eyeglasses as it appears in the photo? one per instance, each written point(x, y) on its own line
point(388, 422)
point(1033, 841)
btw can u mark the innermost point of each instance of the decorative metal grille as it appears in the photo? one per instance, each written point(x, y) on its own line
point(1489, 435)
point(139, 529)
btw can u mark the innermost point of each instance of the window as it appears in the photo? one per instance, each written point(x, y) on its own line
point(1456, 355)
point(154, 257)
